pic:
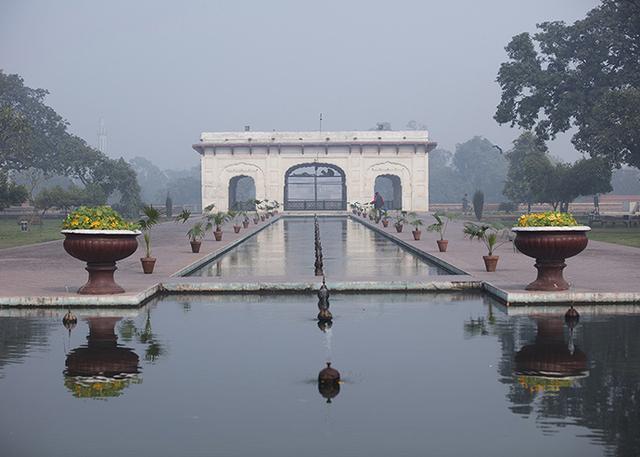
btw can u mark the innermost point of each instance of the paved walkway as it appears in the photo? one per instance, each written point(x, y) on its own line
point(44, 275)
point(603, 272)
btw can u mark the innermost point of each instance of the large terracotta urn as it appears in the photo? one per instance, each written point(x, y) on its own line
point(550, 246)
point(101, 249)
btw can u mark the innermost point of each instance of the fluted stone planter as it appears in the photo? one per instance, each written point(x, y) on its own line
point(101, 249)
point(550, 246)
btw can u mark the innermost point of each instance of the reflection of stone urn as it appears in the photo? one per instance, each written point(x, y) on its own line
point(329, 382)
point(100, 249)
point(549, 356)
point(101, 368)
point(550, 246)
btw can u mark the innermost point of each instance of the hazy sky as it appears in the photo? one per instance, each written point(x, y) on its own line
point(161, 72)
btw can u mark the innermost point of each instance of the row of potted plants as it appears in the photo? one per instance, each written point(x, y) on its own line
point(549, 237)
point(100, 237)
point(211, 220)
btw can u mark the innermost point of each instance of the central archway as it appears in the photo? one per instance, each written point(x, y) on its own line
point(315, 186)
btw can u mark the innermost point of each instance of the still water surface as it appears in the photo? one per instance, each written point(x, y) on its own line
point(446, 375)
point(350, 249)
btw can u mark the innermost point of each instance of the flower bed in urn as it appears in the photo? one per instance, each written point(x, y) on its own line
point(550, 238)
point(100, 237)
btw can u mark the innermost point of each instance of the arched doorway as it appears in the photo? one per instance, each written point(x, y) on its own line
point(315, 186)
point(390, 187)
point(242, 193)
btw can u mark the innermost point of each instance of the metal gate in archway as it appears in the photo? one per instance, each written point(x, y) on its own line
point(315, 186)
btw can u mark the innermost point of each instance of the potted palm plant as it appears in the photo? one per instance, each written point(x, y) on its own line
point(440, 226)
point(417, 223)
point(233, 216)
point(400, 218)
point(493, 236)
point(183, 216)
point(152, 216)
point(245, 219)
point(384, 215)
point(218, 219)
point(195, 234)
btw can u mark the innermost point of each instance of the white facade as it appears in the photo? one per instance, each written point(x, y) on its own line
point(362, 156)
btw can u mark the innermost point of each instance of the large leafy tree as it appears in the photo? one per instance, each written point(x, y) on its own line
point(585, 75)
point(33, 137)
point(30, 131)
point(529, 170)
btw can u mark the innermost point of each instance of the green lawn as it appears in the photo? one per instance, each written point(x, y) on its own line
point(10, 234)
point(619, 235)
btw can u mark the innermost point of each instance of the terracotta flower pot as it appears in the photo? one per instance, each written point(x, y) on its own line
point(550, 246)
point(256, 220)
point(101, 249)
point(262, 218)
point(148, 264)
point(195, 246)
point(385, 223)
point(236, 228)
point(245, 223)
point(490, 262)
point(416, 234)
point(398, 228)
point(442, 245)
point(218, 235)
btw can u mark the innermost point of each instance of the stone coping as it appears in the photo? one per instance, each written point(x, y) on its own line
point(562, 228)
point(459, 281)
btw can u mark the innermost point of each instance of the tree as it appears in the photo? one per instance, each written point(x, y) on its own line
point(153, 181)
point(168, 204)
point(478, 203)
point(585, 75)
point(10, 193)
point(31, 132)
point(570, 181)
point(65, 199)
point(480, 166)
point(529, 170)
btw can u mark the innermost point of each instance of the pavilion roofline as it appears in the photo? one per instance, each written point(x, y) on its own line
point(315, 136)
point(200, 147)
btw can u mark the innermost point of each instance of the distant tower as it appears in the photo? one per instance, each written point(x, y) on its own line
point(102, 137)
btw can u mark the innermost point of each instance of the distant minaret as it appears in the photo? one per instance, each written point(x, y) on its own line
point(102, 137)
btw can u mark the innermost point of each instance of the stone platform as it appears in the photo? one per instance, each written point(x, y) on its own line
point(43, 275)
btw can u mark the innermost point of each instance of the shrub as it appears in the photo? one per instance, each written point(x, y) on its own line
point(96, 218)
point(508, 207)
point(547, 219)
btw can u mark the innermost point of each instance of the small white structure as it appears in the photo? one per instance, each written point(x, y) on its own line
point(315, 170)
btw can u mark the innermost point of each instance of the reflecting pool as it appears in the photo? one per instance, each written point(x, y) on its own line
point(350, 249)
point(447, 374)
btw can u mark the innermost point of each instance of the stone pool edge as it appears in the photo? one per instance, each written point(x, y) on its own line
point(519, 299)
point(176, 285)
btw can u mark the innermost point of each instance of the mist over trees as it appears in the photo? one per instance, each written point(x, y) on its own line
point(476, 165)
point(184, 186)
point(35, 143)
point(585, 75)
